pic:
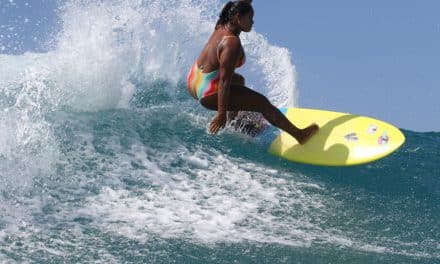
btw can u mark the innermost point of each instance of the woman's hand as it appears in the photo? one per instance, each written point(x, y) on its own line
point(217, 123)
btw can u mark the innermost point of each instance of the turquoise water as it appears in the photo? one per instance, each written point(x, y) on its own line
point(149, 184)
point(104, 158)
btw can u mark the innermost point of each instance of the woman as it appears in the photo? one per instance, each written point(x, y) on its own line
point(212, 79)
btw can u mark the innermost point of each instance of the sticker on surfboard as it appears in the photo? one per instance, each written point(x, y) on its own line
point(372, 129)
point(383, 140)
point(351, 137)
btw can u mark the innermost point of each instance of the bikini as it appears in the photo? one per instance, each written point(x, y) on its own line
point(201, 84)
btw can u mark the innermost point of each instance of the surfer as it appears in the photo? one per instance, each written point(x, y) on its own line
point(213, 82)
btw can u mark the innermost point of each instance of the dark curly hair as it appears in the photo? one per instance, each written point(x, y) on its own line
point(232, 8)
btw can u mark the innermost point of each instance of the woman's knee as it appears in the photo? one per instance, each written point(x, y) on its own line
point(238, 79)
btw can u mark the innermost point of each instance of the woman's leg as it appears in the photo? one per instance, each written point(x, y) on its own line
point(245, 99)
point(237, 79)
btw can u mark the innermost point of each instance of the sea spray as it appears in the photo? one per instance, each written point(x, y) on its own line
point(101, 161)
point(106, 52)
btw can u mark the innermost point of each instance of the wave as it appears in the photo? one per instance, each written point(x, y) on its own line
point(107, 55)
point(99, 134)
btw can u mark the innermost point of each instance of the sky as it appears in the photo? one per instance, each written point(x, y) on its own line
point(375, 58)
point(25, 25)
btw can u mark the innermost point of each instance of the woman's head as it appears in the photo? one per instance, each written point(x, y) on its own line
point(240, 12)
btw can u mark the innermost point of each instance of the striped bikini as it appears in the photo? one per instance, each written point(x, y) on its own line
point(201, 84)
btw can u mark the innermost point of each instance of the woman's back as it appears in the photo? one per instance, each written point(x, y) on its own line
point(209, 57)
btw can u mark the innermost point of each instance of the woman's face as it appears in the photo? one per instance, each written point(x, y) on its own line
point(246, 21)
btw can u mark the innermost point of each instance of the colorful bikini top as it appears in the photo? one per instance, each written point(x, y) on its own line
point(242, 58)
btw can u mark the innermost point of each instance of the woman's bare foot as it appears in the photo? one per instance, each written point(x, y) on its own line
point(306, 133)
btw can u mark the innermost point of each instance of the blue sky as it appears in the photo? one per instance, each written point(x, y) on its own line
point(375, 58)
point(25, 24)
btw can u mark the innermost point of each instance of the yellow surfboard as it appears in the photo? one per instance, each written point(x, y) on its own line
point(343, 139)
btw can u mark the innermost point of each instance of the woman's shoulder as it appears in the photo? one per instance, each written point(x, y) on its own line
point(222, 35)
point(229, 40)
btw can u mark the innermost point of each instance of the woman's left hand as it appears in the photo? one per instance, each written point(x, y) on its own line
point(217, 123)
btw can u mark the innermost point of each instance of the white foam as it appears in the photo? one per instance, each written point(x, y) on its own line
point(196, 161)
point(213, 198)
point(275, 65)
point(224, 201)
point(101, 54)
point(27, 145)
point(103, 47)
point(106, 50)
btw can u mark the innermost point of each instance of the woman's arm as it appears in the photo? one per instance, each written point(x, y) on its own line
point(229, 54)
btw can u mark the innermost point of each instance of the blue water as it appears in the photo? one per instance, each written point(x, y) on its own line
point(105, 158)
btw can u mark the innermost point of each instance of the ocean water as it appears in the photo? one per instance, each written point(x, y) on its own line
point(105, 158)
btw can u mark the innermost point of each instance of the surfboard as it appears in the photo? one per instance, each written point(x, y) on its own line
point(343, 139)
